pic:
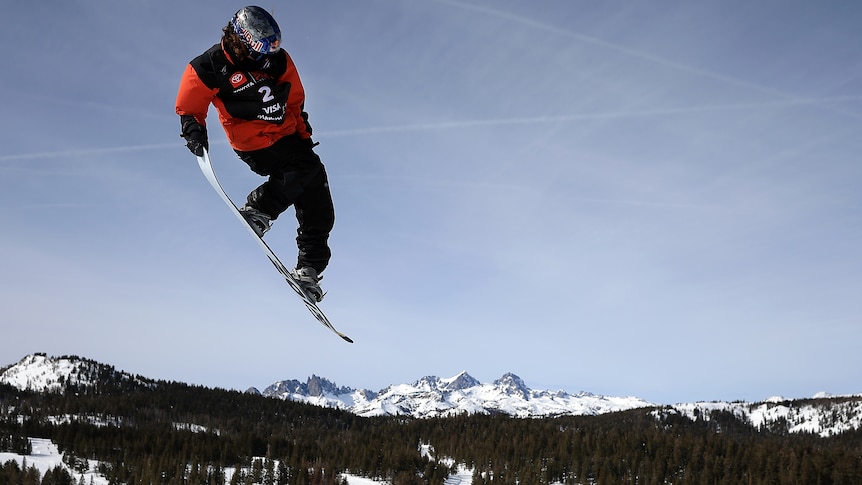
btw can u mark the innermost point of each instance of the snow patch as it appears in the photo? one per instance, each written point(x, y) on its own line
point(46, 456)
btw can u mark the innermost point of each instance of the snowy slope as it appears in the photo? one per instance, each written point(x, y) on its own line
point(822, 416)
point(46, 457)
point(39, 373)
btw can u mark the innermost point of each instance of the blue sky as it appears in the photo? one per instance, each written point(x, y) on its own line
point(658, 199)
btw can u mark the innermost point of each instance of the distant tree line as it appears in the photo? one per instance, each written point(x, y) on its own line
point(141, 433)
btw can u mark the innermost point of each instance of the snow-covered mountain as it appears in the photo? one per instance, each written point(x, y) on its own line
point(824, 415)
point(432, 396)
point(40, 373)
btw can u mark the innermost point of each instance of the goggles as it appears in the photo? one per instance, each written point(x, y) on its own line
point(263, 47)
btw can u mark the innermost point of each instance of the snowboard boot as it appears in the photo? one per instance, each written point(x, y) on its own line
point(310, 282)
point(259, 221)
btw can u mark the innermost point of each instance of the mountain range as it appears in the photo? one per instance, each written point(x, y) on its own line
point(432, 396)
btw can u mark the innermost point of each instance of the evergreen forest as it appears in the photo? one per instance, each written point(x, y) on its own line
point(155, 432)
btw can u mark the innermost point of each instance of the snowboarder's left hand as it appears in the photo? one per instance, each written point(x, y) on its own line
point(195, 135)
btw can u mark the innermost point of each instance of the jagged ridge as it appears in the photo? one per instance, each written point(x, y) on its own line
point(432, 396)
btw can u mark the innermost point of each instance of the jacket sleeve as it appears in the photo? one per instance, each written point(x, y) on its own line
point(296, 99)
point(194, 97)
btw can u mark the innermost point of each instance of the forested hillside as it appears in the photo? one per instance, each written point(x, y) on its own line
point(146, 432)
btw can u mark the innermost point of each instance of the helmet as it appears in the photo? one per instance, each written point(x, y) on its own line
point(258, 31)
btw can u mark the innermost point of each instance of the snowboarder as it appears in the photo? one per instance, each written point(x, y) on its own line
point(256, 90)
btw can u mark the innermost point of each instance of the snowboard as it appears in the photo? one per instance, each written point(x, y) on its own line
point(310, 303)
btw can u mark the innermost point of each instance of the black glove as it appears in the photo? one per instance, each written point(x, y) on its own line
point(195, 135)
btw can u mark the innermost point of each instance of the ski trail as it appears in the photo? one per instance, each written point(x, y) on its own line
point(463, 476)
point(46, 456)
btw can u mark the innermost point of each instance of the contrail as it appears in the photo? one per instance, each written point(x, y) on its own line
point(87, 151)
point(445, 125)
point(98, 151)
point(633, 52)
point(591, 116)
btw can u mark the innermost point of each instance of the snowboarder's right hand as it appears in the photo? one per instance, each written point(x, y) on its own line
point(195, 135)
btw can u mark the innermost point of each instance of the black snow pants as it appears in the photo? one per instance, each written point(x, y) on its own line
point(296, 177)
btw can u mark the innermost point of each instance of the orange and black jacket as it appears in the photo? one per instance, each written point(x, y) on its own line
point(256, 106)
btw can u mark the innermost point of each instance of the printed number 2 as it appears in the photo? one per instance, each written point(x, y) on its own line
point(266, 91)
